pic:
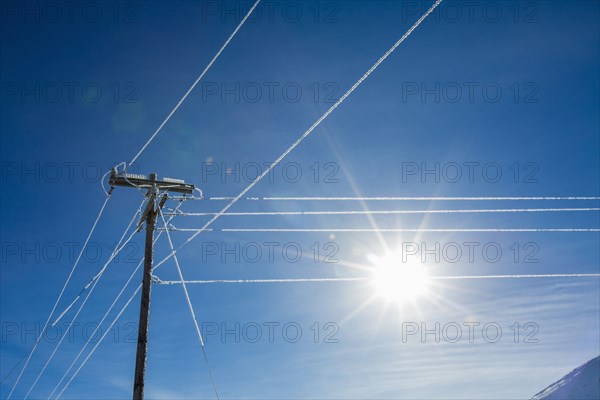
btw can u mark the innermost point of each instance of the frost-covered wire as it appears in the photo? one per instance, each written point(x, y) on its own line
point(367, 279)
point(104, 318)
point(118, 249)
point(212, 61)
point(96, 279)
point(396, 198)
point(388, 212)
point(307, 132)
point(99, 341)
point(375, 230)
point(191, 308)
point(37, 341)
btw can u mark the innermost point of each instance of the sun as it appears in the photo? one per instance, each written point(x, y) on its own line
point(397, 281)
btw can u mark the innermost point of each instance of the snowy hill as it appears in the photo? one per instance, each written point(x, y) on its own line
point(583, 383)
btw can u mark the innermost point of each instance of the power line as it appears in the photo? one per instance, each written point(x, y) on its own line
point(213, 281)
point(518, 276)
point(387, 212)
point(61, 293)
point(307, 132)
point(99, 341)
point(106, 313)
point(195, 82)
point(366, 279)
point(116, 251)
point(99, 274)
point(393, 198)
point(191, 308)
point(384, 230)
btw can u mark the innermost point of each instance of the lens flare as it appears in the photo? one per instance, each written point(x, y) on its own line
point(397, 281)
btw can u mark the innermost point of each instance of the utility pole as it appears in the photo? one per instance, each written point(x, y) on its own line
point(149, 216)
point(142, 341)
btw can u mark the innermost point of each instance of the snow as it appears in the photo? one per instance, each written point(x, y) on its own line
point(583, 383)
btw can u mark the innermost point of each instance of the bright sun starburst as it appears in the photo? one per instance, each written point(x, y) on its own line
point(397, 281)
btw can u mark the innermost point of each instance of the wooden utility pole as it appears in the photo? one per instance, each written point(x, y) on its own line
point(142, 341)
point(149, 217)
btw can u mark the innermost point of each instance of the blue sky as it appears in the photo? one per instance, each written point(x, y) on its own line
point(534, 109)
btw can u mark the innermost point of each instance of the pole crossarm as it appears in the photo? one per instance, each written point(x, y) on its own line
point(144, 182)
